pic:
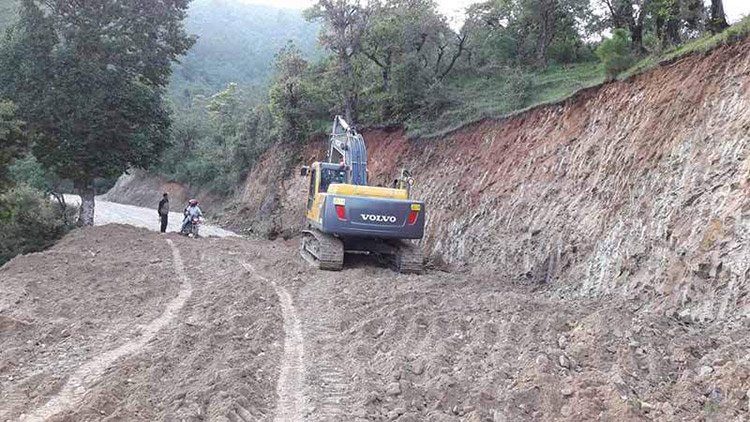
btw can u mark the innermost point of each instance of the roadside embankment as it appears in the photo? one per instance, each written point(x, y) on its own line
point(637, 189)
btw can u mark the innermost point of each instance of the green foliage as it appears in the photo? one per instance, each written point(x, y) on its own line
point(290, 95)
point(615, 53)
point(410, 47)
point(499, 93)
point(12, 139)
point(237, 43)
point(469, 99)
point(561, 81)
point(343, 23)
point(701, 45)
point(89, 84)
point(27, 171)
point(530, 32)
point(29, 222)
point(217, 140)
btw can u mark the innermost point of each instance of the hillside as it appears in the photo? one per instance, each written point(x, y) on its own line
point(635, 189)
point(237, 43)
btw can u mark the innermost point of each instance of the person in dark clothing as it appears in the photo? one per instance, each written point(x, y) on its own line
point(164, 212)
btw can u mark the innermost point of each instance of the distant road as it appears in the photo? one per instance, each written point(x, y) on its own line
point(112, 212)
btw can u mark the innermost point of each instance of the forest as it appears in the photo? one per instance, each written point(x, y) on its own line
point(84, 96)
point(399, 62)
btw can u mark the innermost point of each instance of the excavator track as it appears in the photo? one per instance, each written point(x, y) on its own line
point(408, 258)
point(322, 250)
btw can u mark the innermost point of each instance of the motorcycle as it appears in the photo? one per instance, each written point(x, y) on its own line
point(192, 228)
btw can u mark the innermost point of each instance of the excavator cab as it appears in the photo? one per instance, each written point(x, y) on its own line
point(321, 177)
point(343, 213)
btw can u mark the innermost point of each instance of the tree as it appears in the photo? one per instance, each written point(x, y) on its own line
point(666, 14)
point(289, 94)
point(403, 34)
point(630, 15)
point(223, 110)
point(400, 27)
point(88, 79)
point(718, 21)
point(532, 24)
point(12, 140)
point(615, 53)
point(343, 23)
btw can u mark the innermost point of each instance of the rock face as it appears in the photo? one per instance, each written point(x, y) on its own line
point(636, 188)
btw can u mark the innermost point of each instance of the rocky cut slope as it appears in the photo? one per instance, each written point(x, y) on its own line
point(636, 189)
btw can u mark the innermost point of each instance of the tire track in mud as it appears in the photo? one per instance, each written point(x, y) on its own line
point(329, 390)
point(290, 386)
point(75, 388)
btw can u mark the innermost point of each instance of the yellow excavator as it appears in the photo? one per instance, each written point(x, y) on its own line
point(346, 215)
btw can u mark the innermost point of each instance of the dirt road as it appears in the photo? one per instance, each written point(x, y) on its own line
point(119, 323)
point(112, 212)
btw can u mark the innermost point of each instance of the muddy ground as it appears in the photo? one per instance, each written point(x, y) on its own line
point(120, 324)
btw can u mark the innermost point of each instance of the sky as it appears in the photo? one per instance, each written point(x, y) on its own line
point(735, 9)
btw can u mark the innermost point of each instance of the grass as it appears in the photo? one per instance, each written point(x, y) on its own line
point(560, 82)
point(701, 45)
point(475, 98)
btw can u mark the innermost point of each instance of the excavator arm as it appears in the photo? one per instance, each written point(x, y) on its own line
point(348, 147)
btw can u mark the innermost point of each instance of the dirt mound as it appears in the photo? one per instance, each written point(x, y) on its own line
point(99, 290)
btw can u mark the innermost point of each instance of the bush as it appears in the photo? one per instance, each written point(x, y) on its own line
point(615, 53)
point(30, 222)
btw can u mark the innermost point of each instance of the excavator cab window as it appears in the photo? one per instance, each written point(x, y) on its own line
point(328, 176)
point(311, 192)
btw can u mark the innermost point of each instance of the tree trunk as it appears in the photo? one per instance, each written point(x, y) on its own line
point(718, 17)
point(387, 109)
point(86, 212)
point(546, 32)
point(347, 82)
point(63, 206)
point(387, 72)
point(673, 25)
point(348, 108)
point(637, 31)
point(521, 44)
point(636, 35)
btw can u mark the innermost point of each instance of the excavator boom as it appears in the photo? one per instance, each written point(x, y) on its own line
point(348, 147)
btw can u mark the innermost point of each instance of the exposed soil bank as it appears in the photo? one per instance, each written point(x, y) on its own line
point(144, 190)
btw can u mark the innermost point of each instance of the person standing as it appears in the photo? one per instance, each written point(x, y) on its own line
point(164, 212)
